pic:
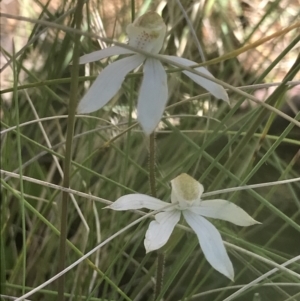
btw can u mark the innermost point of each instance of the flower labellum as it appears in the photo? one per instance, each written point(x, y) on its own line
point(146, 33)
point(186, 198)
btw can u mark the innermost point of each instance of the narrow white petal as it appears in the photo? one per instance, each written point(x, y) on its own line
point(161, 229)
point(137, 201)
point(215, 89)
point(153, 95)
point(107, 84)
point(211, 243)
point(224, 210)
point(101, 54)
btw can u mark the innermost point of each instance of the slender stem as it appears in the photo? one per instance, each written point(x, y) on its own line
point(159, 273)
point(132, 10)
point(152, 158)
point(131, 96)
point(19, 147)
point(128, 138)
point(160, 255)
point(68, 156)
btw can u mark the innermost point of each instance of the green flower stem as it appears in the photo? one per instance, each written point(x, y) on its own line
point(152, 158)
point(68, 156)
point(19, 146)
point(128, 138)
point(152, 181)
point(159, 274)
point(132, 10)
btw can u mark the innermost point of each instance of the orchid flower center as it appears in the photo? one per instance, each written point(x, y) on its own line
point(185, 191)
point(187, 187)
point(147, 32)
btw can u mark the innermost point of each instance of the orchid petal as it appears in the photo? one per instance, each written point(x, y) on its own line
point(137, 201)
point(161, 229)
point(211, 243)
point(224, 210)
point(103, 53)
point(108, 83)
point(153, 95)
point(215, 89)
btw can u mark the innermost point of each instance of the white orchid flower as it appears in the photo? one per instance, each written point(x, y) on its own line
point(186, 198)
point(145, 33)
